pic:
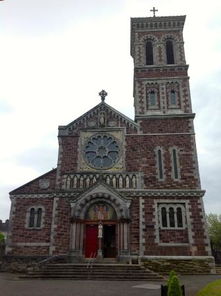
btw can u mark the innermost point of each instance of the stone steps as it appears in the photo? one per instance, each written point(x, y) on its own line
point(115, 272)
point(218, 268)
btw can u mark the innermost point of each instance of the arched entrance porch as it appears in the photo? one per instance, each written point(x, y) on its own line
point(100, 226)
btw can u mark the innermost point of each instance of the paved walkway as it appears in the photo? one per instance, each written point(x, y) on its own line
point(11, 285)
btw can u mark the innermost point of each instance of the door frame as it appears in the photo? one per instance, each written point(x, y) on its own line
point(104, 222)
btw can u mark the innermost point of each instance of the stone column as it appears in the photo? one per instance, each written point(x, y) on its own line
point(76, 241)
point(123, 241)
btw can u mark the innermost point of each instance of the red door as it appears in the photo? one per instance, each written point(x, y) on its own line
point(91, 241)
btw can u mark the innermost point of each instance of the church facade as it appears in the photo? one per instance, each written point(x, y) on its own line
point(123, 188)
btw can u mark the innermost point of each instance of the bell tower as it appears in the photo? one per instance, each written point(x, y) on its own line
point(161, 86)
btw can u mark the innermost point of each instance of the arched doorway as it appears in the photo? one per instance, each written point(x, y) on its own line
point(100, 231)
point(100, 204)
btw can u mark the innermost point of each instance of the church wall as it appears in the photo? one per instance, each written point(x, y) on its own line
point(62, 229)
point(69, 154)
point(201, 243)
point(141, 156)
point(188, 241)
point(134, 226)
point(21, 232)
point(172, 125)
point(180, 236)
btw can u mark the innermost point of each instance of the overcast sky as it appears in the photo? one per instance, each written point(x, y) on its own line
point(56, 55)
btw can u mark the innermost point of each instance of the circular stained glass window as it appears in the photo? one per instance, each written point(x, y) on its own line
point(102, 151)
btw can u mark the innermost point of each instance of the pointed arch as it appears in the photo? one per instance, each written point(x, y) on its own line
point(149, 52)
point(170, 52)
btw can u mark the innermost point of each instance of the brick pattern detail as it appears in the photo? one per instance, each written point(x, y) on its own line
point(172, 125)
point(174, 236)
point(63, 222)
point(134, 227)
point(69, 154)
point(21, 234)
point(197, 226)
point(140, 155)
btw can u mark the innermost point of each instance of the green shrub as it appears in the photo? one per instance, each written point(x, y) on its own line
point(174, 288)
point(172, 273)
point(2, 238)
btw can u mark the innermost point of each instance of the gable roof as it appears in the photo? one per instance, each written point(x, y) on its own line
point(83, 120)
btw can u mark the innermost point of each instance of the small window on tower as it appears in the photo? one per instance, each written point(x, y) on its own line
point(149, 53)
point(173, 98)
point(153, 99)
point(169, 52)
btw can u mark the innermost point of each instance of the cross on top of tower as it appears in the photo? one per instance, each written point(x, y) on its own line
point(103, 94)
point(154, 10)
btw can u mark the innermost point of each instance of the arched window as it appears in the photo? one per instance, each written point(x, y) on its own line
point(38, 218)
point(31, 218)
point(160, 164)
point(149, 53)
point(171, 217)
point(173, 98)
point(153, 99)
point(35, 217)
point(169, 52)
point(164, 217)
point(179, 217)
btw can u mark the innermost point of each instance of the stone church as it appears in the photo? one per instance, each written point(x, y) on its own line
point(123, 189)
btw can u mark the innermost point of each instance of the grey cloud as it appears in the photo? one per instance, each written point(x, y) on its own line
point(43, 16)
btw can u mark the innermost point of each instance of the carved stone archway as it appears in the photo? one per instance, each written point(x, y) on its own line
point(79, 208)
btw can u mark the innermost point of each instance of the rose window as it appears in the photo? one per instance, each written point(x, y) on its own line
point(102, 151)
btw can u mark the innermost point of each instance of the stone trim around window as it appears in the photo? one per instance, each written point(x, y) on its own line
point(152, 96)
point(37, 220)
point(159, 155)
point(173, 95)
point(175, 163)
point(172, 216)
point(187, 220)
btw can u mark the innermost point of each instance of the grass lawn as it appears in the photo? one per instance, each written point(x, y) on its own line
point(212, 289)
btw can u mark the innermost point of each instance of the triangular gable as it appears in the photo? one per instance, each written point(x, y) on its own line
point(91, 119)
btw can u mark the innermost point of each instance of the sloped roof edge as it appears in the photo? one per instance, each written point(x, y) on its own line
point(132, 122)
point(28, 183)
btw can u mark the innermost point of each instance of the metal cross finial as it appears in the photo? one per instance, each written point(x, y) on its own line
point(154, 10)
point(103, 94)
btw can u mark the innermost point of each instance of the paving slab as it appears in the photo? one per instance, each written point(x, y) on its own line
point(11, 285)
